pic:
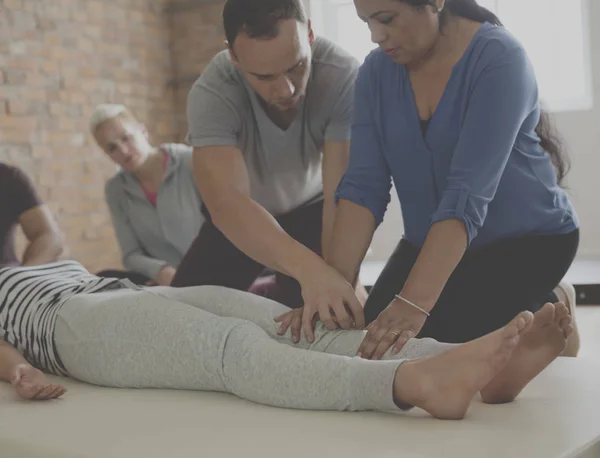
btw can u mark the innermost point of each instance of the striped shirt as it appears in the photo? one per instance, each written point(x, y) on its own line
point(30, 298)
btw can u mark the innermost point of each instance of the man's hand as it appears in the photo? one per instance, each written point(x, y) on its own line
point(330, 298)
point(293, 320)
point(361, 293)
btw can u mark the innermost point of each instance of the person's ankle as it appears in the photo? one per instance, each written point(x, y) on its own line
point(409, 386)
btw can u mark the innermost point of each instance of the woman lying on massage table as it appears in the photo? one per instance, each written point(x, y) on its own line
point(108, 332)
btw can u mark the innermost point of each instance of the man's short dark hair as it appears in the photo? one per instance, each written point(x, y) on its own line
point(259, 18)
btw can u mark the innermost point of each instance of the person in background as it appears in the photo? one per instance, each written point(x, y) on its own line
point(21, 206)
point(153, 200)
point(448, 107)
point(269, 120)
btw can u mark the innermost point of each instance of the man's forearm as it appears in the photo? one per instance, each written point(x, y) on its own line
point(43, 249)
point(443, 249)
point(352, 234)
point(9, 360)
point(253, 230)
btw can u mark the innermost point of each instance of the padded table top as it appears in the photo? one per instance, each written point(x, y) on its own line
point(557, 416)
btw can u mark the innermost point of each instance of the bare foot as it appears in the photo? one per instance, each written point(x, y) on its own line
point(444, 385)
point(545, 340)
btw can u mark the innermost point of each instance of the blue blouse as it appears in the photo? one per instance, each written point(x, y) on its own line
point(480, 160)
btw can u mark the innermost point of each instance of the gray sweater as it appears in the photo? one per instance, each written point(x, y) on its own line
point(149, 236)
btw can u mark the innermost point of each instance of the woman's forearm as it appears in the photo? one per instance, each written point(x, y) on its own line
point(10, 358)
point(352, 234)
point(443, 249)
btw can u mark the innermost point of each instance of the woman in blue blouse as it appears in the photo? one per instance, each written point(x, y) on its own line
point(448, 108)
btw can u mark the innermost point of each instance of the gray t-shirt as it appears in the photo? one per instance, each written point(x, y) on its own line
point(284, 166)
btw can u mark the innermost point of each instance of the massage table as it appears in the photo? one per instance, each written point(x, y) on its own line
point(557, 416)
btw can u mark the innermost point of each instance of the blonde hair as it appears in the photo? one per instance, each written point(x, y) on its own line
point(108, 111)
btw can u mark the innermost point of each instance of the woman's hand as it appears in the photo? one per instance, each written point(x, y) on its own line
point(398, 323)
point(31, 383)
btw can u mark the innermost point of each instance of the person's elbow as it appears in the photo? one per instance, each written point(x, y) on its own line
point(374, 198)
point(466, 207)
point(62, 248)
point(57, 244)
point(46, 246)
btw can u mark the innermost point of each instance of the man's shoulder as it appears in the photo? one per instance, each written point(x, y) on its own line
point(10, 170)
point(12, 175)
point(17, 184)
point(221, 77)
point(332, 64)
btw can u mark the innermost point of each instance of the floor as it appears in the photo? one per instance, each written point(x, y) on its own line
point(588, 320)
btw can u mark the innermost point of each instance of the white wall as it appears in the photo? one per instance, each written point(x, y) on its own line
point(581, 131)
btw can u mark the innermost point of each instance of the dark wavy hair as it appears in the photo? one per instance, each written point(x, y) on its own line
point(550, 139)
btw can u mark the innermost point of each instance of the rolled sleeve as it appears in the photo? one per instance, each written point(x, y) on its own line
point(367, 182)
point(503, 96)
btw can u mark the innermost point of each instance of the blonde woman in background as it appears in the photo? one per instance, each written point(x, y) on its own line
point(153, 199)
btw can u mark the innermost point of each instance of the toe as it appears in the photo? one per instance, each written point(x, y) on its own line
point(567, 330)
point(561, 311)
point(518, 326)
point(524, 320)
point(565, 321)
point(545, 315)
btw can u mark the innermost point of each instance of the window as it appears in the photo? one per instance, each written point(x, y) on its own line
point(557, 45)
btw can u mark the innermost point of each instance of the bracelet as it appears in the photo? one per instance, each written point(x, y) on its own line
point(412, 304)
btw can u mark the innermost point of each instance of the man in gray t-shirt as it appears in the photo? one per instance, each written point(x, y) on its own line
point(269, 120)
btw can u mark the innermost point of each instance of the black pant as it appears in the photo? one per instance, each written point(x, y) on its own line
point(490, 285)
point(214, 260)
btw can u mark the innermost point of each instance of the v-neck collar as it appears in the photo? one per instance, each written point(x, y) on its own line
point(415, 119)
point(134, 186)
point(264, 119)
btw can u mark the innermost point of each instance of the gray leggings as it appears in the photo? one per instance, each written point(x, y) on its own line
point(216, 339)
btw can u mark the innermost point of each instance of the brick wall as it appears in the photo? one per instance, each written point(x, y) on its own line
point(197, 35)
point(58, 59)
